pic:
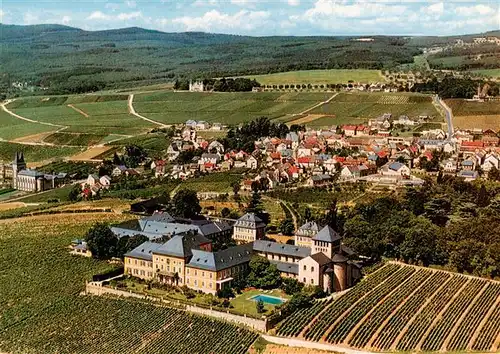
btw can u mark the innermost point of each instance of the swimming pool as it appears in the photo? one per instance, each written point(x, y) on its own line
point(273, 300)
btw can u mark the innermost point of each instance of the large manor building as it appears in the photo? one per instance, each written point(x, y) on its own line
point(187, 257)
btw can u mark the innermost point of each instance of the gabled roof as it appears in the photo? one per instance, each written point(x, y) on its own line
point(182, 245)
point(396, 166)
point(308, 229)
point(221, 260)
point(250, 220)
point(321, 258)
point(327, 234)
point(144, 251)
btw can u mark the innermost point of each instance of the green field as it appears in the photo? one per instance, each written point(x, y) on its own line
point(13, 128)
point(228, 108)
point(74, 139)
point(340, 76)
point(106, 114)
point(488, 72)
point(35, 153)
point(349, 108)
point(151, 142)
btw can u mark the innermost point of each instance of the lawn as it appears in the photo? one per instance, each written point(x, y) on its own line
point(355, 108)
point(229, 108)
point(243, 303)
point(334, 76)
point(34, 153)
point(61, 194)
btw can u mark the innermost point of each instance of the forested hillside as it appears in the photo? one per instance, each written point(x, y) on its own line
point(53, 55)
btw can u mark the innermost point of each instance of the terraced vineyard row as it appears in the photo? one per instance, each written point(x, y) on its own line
point(406, 308)
point(101, 325)
point(345, 302)
point(294, 324)
point(398, 321)
point(340, 332)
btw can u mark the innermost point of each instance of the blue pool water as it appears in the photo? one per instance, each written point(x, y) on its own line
point(268, 299)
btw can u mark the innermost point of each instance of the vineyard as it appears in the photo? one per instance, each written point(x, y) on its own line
point(102, 325)
point(406, 308)
point(349, 108)
point(470, 115)
point(43, 313)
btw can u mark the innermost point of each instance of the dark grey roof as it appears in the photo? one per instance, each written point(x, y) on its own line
point(250, 220)
point(347, 250)
point(223, 259)
point(321, 258)
point(160, 217)
point(308, 229)
point(338, 258)
point(284, 267)
point(31, 173)
point(327, 234)
point(281, 249)
point(182, 245)
point(144, 251)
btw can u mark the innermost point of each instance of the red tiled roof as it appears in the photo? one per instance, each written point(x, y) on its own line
point(473, 143)
point(349, 127)
point(276, 155)
point(304, 159)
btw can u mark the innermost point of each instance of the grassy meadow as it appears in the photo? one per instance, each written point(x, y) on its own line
point(333, 76)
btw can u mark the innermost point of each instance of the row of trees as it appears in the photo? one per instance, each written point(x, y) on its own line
point(244, 137)
point(221, 85)
point(451, 87)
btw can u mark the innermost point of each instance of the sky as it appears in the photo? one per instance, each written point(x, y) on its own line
point(264, 17)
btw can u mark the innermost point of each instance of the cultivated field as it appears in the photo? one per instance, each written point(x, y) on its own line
point(407, 309)
point(90, 114)
point(349, 108)
point(33, 153)
point(340, 76)
point(228, 108)
point(13, 128)
point(46, 303)
point(495, 73)
point(470, 115)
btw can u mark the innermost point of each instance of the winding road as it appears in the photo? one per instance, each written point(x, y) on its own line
point(132, 111)
point(448, 115)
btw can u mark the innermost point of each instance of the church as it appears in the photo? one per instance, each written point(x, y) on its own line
point(28, 180)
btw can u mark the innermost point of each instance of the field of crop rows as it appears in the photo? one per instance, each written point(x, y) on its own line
point(406, 308)
point(91, 114)
point(103, 325)
point(359, 107)
point(228, 108)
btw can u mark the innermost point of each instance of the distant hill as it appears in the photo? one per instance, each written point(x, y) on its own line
point(60, 56)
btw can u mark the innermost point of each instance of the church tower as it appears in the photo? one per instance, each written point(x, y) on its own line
point(17, 165)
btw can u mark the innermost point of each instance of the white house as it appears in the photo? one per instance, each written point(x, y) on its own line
point(209, 158)
point(105, 181)
point(252, 163)
point(202, 125)
point(215, 145)
point(490, 161)
point(395, 169)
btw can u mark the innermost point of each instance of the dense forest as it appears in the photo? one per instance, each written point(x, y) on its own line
point(449, 223)
point(52, 55)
